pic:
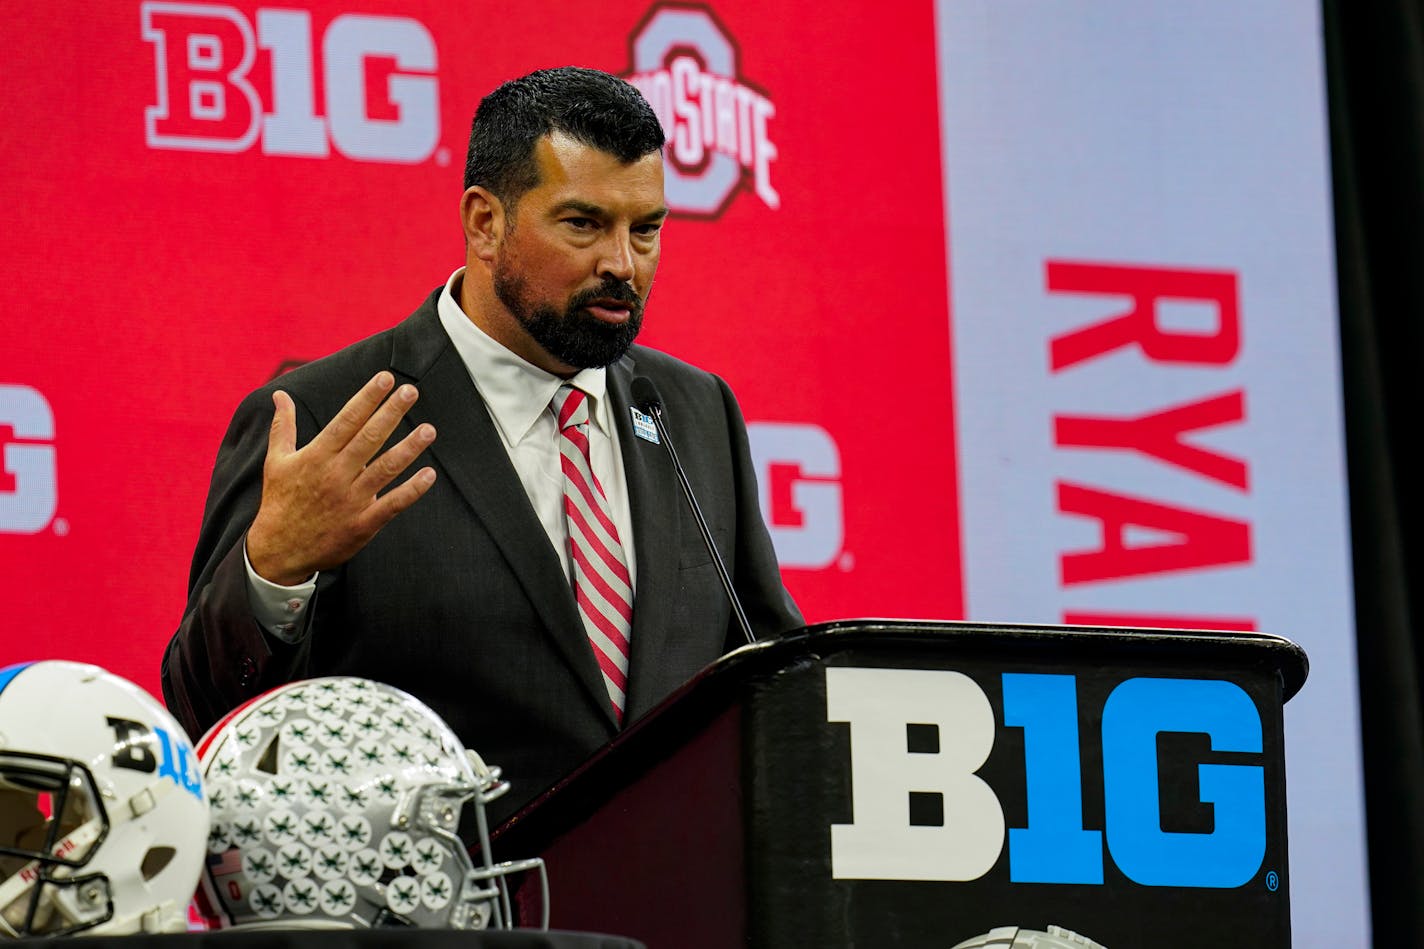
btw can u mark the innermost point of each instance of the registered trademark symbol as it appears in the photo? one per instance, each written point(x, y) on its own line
point(1273, 882)
point(846, 561)
point(442, 156)
point(60, 527)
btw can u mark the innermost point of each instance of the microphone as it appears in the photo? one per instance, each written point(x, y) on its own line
point(645, 396)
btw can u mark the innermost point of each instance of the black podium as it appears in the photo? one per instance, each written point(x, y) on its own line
point(915, 784)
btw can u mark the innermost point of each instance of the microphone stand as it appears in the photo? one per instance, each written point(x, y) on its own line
point(654, 407)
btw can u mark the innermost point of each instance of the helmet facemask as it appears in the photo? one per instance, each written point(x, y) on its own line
point(52, 821)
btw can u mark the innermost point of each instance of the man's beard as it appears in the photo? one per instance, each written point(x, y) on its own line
point(575, 337)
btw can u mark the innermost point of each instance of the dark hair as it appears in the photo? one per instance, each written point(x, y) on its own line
point(590, 106)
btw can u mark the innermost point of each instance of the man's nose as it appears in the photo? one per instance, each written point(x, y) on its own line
point(617, 258)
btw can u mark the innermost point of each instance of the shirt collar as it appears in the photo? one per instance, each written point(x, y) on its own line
point(515, 390)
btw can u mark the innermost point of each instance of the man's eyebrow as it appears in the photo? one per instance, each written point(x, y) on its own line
point(592, 210)
point(582, 207)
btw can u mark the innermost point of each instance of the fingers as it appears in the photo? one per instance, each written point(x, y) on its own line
point(354, 414)
point(364, 424)
point(373, 434)
point(399, 498)
point(323, 503)
point(390, 464)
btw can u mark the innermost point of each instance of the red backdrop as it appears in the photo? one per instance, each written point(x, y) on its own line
point(152, 279)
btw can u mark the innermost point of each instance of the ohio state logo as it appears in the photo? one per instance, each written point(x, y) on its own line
point(206, 96)
point(684, 62)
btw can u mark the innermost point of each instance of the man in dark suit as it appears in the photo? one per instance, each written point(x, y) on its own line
point(497, 582)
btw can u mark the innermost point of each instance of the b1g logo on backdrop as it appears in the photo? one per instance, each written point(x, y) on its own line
point(918, 737)
point(798, 469)
point(685, 64)
point(28, 486)
point(205, 98)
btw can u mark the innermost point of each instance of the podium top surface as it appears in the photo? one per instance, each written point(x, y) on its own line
point(1263, 651)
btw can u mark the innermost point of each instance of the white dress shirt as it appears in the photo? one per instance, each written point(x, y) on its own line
point(517, 394)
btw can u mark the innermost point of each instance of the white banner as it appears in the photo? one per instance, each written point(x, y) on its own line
point(1143, 318)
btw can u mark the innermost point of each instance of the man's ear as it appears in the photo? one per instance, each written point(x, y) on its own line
point(482, 215)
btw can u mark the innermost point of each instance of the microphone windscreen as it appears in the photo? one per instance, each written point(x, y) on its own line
point(645, 395)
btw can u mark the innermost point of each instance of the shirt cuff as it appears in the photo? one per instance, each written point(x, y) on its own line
point(280, 611)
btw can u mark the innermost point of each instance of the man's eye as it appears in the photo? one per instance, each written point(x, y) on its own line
point(580, 223)
point(648, 230)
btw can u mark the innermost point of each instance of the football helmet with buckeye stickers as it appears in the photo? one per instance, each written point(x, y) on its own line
point(103, 821)
point(336, 803)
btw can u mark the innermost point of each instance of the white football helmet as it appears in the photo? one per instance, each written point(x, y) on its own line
point(103, 821)
point(335, 805)
point(1017, 937)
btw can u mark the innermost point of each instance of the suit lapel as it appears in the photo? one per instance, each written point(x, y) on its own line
point(654, 500)
point(473, 457)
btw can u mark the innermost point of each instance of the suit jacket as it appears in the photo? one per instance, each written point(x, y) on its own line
point(461, 600)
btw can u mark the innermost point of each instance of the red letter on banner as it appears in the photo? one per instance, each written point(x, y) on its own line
point(1206, 540)
point(1146, 286)
point(1160, 435)
point(202, 54)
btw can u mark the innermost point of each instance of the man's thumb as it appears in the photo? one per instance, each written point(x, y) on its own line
point(282, 438)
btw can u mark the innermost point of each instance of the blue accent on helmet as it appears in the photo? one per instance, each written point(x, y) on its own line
point(9, 672)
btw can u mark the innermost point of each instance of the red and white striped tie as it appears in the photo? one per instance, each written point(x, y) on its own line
point(602, 586)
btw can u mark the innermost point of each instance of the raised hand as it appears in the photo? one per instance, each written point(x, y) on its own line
point(322, 503)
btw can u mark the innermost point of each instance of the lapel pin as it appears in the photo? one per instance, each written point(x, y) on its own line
point(643, 426)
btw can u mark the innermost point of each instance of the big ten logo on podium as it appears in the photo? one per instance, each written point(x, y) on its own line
point(28, 483)
point(918, 737)
point(798, 468)
point(372, 93)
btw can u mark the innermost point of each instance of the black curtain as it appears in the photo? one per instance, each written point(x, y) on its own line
point(1375, 67)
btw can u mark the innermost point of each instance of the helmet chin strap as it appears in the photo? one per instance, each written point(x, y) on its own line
point(24, 880)
point(148, 798)
point(151, 921)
